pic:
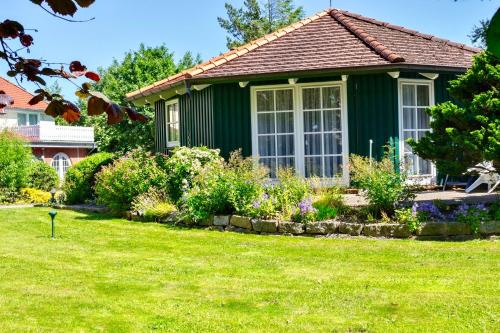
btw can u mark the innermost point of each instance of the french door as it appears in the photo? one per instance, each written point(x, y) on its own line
point(301, 126)
point(415, 97)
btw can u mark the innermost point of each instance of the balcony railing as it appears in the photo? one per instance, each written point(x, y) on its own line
point(48, 132)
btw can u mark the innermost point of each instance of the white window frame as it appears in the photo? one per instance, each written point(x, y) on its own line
point(28, 114)
point(426, 179)
point(299, 124)
point(60, 172)
point(171, 144)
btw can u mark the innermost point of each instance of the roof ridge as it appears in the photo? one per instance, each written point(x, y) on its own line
point(409, 31)
point(229, 55)
point(368, 39)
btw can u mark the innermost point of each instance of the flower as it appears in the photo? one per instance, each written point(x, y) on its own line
point(306, 207)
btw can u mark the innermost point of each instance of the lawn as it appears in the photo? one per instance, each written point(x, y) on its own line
point(110, 275)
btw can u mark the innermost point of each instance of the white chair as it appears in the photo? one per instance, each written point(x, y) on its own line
point(487, 175)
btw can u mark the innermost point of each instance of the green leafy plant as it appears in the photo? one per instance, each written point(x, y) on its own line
point(42, 176)
point(34, 195)
point(288, 192)
point(15, 159)
point(119, 183)
point(384, 187)
point(154, 205)
point(80, 178)
point(473, 215)
point(409, 217)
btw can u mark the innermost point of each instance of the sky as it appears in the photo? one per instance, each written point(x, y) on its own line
point(191, 25)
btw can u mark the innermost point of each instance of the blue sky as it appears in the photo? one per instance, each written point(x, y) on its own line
point(121, 25)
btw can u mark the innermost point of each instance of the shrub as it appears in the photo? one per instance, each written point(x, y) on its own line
point(119, 183)
point(154, 205)
point(306, 212)
point(80, 178)
point(290, 190)
point(473, 215)
point(409, 217)
point(42, 176)
point(15, 158)
point(385, 188)
point(184, 165)
point(330, 198)
point(263, 207)
point(33, 195)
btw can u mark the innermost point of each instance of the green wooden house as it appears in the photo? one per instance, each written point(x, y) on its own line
point(310, 94)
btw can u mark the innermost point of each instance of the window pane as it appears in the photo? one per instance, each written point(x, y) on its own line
point(173, 132)
point(312, 144)
point(313, 166)
point(333, 166)
point(423, 96)
point(270, 164)
point(424, 166)
point(265, 100)
point(312, 121)
point(408, 95)
point(423, 119)
point(286, 162)
point(265, 123)
point(332, 120)
point(21, 119)
point(33, 119)
point(285, 145)
point(284, 122)
point(284, 100)
point(267, 146)
point(406, 136)
point(409, 118)
point(331, 97)
point(333, 143)
point(311, 98)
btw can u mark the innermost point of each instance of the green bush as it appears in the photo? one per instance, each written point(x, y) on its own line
point(42, 176)
point(34, 195)
point(80, 178)
point(409, 217)
point(15, 158)
point(288, 192)
point(154, 205)
point(384, 187)
point(184, 165)
point(119, 183)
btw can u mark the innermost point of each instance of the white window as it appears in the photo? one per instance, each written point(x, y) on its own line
point(275, 128)
point(172, 117)
point(27, 119)
point(415, 97)
point(61, 163)
point(302, 126)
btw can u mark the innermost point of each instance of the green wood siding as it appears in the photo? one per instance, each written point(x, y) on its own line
point(196, 118)
point(160, 127)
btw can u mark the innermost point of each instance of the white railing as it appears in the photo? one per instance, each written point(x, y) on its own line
point(49, 132)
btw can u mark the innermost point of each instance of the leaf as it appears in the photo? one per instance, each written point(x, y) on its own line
point(36, 99)
point(82, 94)
point(101, 96)
point(71, 113)
point(86, 86)
point(50, 71)
point(11, 73)
point(96, 106)
point(37, 79)
point(63, 7)
point(84, 3)
point(76, 66)
point(37, 2)
point(55, 108)
point(93, 76)
point(115, 114)
point(134, 115)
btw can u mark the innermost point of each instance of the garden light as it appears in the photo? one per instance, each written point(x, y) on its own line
point(53, 214)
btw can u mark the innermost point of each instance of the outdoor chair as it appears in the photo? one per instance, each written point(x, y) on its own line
point(487, 175)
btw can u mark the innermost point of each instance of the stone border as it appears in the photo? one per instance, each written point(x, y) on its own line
point(426, 231)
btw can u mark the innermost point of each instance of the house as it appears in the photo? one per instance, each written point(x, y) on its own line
point(59, 146)
point(310, 94)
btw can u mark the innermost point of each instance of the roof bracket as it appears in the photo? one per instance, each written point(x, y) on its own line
point(293, 81)
point(430, 76)
point(243, 84)
point(181, 91)
point(394, 75)
point(200, 87)
point(344, 78)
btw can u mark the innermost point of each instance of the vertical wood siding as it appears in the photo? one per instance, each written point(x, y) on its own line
point(197, 119)
point(160, 127)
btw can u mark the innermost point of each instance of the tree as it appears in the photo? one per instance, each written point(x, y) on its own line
point(14, 39)
point(478, 34)
point(14, 163)
point(187, 61)
point(254, 20)
point(138, 69)
point(467, 132)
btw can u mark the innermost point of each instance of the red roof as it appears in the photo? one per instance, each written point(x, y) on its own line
point(331, 40)
point(20, 96)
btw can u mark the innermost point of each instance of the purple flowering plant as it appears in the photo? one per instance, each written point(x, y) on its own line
point(306, 211)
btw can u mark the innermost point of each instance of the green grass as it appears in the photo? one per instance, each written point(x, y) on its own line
point(110, 275)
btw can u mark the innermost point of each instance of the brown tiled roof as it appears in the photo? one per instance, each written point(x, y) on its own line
point(20, 96)
point(332, 39)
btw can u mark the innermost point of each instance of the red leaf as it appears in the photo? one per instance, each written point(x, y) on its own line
point(96, 106)
point(93, 76)
point(10, 29)
point(71, 113)
point(55, 108)
point(115, 114)
point(26, 40)
point(36, 99)
point(76, 66)
point(84, 3)
point(63, 7)
point(135, 116)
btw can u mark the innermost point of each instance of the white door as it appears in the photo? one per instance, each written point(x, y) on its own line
point(61, 164)
point(415, 97)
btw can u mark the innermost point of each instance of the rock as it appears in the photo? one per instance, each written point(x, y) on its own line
point(291, 228)
point(432, 229)
point(236, 229)
point(215, 228)
point(457, 229)
point(396, 230)
point(372, 230)
point(206, 222)
point(221, 220)
point(241, 222)
point(490, 228)
point(353, 229)
point(265, 226)
point(322, 227)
